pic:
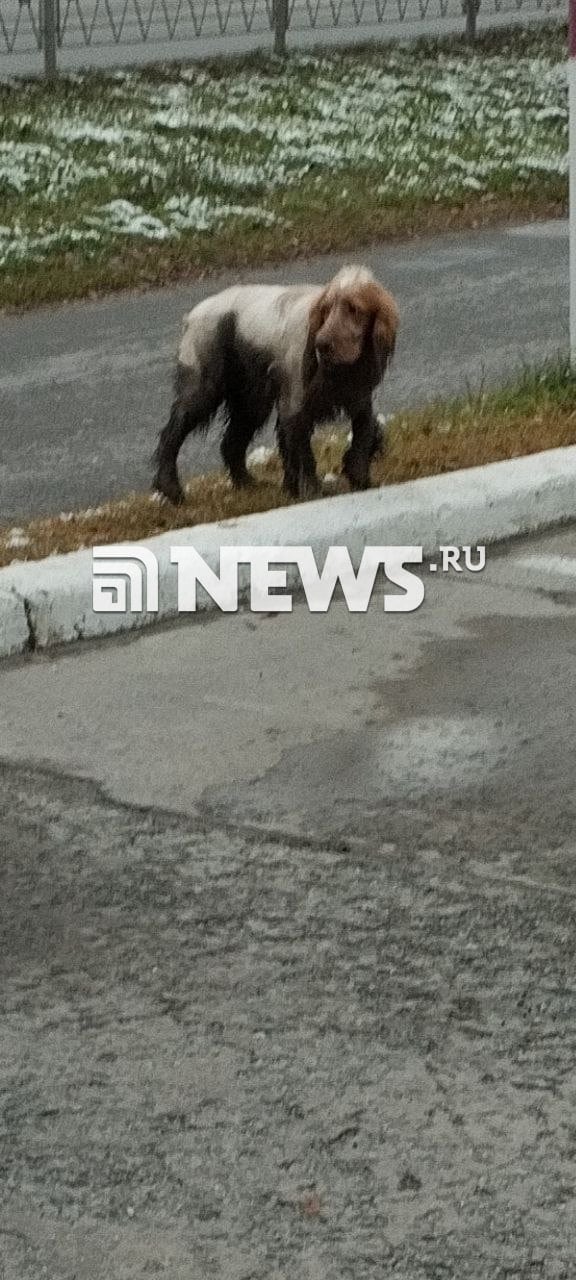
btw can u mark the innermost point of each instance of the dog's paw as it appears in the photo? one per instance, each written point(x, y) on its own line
point(169, 490)
point(309, 489)
point(333, 484)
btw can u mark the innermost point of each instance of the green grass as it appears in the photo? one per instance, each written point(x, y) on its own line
point(536, 412)
point(135, 178)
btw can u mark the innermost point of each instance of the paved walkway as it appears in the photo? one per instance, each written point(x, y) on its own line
point(309, 1013)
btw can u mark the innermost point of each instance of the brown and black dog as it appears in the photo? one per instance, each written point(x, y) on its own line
point(310, 352)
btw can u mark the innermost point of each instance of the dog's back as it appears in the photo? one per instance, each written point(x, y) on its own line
point(267, 318)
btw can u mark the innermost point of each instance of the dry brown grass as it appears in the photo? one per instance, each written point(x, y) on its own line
point(538, 413)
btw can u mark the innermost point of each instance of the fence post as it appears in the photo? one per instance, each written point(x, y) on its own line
point(280, 12)
point(50, 37)
point(471, 9)
point(572, 175)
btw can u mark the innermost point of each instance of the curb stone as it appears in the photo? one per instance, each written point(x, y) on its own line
point(49, 602)
point(14, 629)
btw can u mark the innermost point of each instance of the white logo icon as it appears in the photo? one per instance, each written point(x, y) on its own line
point(119, 567)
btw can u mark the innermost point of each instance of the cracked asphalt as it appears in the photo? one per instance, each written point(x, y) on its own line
point(287, 921)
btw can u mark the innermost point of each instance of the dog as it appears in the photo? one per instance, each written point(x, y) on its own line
point(308, 351)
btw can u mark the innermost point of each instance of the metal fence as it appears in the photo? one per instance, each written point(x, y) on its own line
point(44, 36)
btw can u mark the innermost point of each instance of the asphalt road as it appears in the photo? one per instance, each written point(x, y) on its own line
point(85, 388)
point(287, 975)
point(96, 36)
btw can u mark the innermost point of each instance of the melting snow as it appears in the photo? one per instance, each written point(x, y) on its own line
point(16, 538)
point(261, 454)
point(204, 152)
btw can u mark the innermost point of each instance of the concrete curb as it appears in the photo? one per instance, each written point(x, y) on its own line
point(49, 602)
point(14, 629)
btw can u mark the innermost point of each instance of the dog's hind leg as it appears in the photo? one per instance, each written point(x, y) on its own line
point(245, 418)
point(195, 403)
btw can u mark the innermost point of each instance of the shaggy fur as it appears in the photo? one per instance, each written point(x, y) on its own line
point(306, 351)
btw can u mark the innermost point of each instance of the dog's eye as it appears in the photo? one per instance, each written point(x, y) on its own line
point(353, 311)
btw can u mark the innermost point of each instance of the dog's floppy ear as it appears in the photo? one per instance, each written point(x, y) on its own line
point(385, 328)
point(317, 315)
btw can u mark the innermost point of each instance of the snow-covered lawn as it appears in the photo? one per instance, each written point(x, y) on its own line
point(128, 158)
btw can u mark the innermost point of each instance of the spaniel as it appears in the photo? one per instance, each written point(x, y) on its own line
point(308, 351)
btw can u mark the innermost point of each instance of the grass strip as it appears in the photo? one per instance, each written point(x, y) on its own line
point(536, 412)
point(138, 178)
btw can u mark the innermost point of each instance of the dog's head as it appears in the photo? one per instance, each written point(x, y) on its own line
point(352, 315)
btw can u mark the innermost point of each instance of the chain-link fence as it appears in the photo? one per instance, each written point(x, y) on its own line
point(48, 35)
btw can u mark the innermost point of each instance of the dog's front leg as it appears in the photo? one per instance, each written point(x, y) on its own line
point(380, 441)
point(367, 441)
point(295, 445)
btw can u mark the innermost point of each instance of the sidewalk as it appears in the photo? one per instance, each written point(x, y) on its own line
point(308, 1012)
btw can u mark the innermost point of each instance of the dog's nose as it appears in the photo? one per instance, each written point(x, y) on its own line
point(324, 347)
